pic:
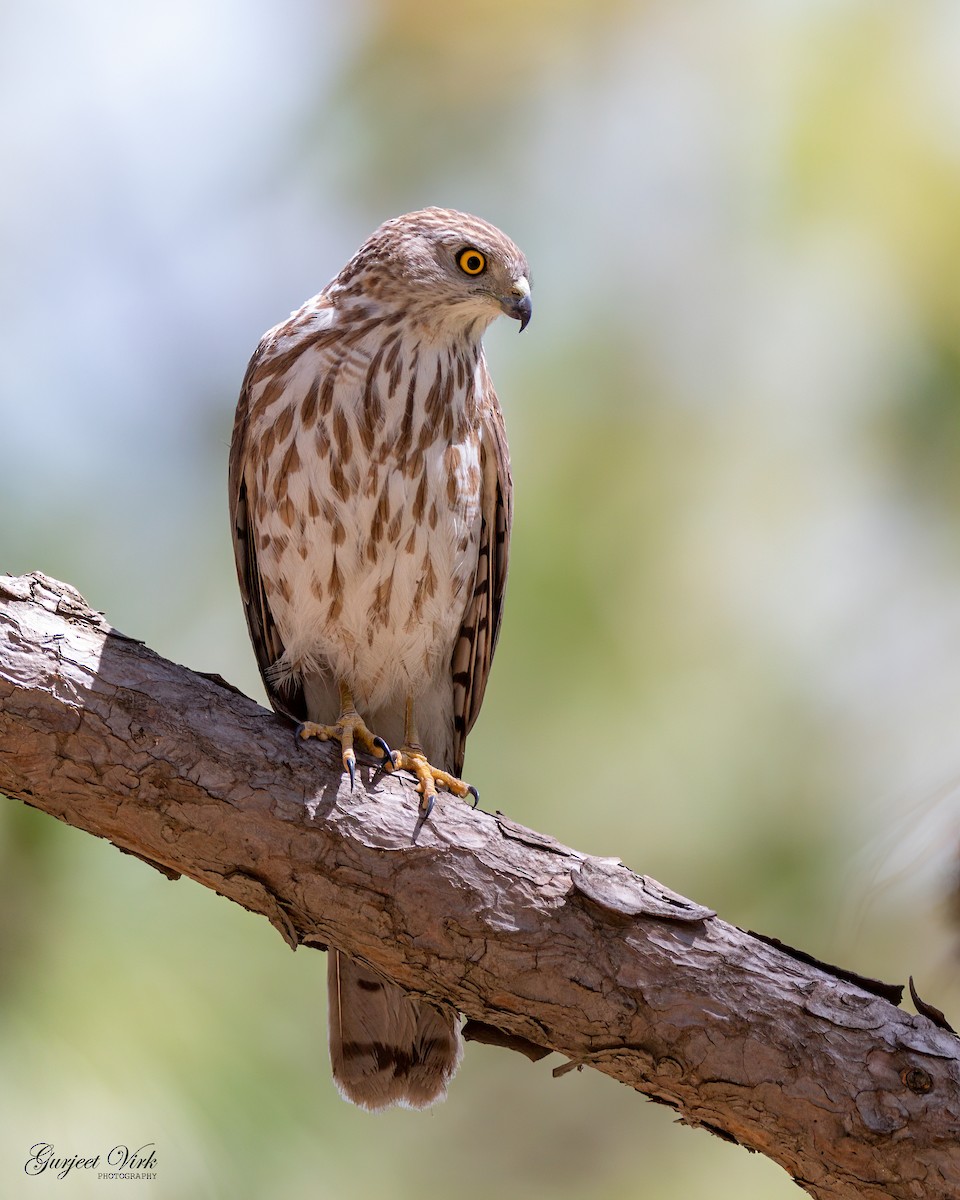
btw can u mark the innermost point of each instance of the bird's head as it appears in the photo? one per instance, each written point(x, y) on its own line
point(443, 269)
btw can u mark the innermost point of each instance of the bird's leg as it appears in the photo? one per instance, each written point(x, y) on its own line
point(412, 758)
point(350, 727)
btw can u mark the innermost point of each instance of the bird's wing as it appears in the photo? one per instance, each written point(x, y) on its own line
point(264, 635)
point(477, 640)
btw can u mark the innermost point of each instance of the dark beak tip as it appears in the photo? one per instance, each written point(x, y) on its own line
point(518, 306)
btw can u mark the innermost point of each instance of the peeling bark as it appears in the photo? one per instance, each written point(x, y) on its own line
point(812, 1066)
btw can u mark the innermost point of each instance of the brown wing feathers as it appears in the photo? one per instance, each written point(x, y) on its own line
point(473, 651)
point(264, 634)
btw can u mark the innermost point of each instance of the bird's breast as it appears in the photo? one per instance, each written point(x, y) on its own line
point(369, 525)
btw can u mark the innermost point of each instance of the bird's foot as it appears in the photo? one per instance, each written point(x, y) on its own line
point(430, 778)
point(350, 729)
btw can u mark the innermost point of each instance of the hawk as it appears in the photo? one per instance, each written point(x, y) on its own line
point(371, 499)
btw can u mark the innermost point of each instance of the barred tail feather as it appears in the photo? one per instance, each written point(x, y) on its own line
point(386, 1047)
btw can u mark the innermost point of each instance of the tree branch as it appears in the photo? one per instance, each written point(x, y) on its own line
point(763, 1046)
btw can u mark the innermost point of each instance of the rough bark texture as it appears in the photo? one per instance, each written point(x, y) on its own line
point(848, 1093)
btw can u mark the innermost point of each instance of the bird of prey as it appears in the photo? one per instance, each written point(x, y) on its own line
point(371, 499)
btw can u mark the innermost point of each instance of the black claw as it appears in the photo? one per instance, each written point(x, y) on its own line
point(297, 735)
point(426, 807)
point(380, 744)
point(351, 767)
point(475, 794)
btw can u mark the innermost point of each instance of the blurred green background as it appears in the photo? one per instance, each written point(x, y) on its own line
point(731, 652)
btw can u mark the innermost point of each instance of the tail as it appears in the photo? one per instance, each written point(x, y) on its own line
point(385, 1046)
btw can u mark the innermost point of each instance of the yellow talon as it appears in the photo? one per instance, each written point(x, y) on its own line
point(349, 728)
point(412, 758)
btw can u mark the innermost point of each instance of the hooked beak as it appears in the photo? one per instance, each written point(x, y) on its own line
point(518, 304)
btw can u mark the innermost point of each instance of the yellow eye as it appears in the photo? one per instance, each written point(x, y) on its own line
point(471, 261)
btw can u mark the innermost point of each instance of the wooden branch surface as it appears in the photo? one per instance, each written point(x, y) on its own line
point(851, 1095)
